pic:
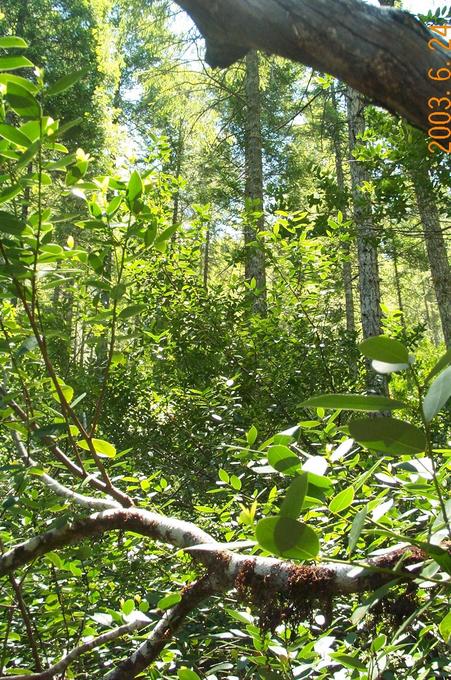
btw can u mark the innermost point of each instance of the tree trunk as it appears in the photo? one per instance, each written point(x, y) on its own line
point(255, 257)
point(369, 284)
point(347, 267)
point(436, 247)
point(381, 52)
point(397, 282)
point(366, 237)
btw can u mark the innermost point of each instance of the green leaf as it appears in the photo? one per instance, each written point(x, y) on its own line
point(442, 363)
point(113, 206)
point(67, 391)
point(132, 310)
point(162, 239)
point(295, 496)
point(66, 82)
point(28, 344)
point(354, 402)
point(14, 135)
point(169, 601)
point(135, 187)
point(29, 154)
point(388, 436)
point(10, 41)
point(356, 529)
point(385, 369)
point(101, 447)
point(235, 482)
point(186, 674)
point(445, 627)
point(251, 435)
point(348, 661)
point(342, 500)
point(6, 78)
point(9, 193)
point(22, 101)
point(224, 476)
point(282, 459)
point(13, 63)
point(127, 607)
point(438, 394)
point(287, 537)
point(384, 349)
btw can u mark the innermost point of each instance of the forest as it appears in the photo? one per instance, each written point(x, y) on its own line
point(225, 339)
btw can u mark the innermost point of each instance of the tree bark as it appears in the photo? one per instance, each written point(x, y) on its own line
point(436, 247)
point(255, 257)
point(369, 283)
point(346, 267)
point(366, 238)
point(381, 52)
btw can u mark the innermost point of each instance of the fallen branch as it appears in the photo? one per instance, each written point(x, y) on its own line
point(381, 52)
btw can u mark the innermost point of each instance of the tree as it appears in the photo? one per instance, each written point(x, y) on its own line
point(254, 219)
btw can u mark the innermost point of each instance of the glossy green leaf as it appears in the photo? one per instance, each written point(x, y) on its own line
point(13, 63)
point(438, 394)
point(113, 206)
point(11, 41)
point(445, 627)
point(187, 674)
point(101, 447)
point(282, 459)
point(127, 607)
point(287, 537)
point(348, 661)
point(132, 310)
point(9, 193)
point(384, 349)
point(161, 241)
point(356, 528)
point(235, 483)
point(354, 402)
point(65, 82)
point(22, 101)
point(385, 369)
point(68, 392)
point(251, 435)
point(6, 78)
point(169, 601)
point(388, 436)
point(342, 500)
point(442, 363)
point(14, 135)
point(28, 155)
point(295, 496)
point(135, 187)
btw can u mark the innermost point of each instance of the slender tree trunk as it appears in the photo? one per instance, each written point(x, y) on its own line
point(435, 246)
point(366, 237)
point(347, 267)
point(178, 169)
point(255, 257)
point(207, 256)
point(369, 283)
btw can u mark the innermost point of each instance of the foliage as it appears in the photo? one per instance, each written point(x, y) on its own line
point(129, 372)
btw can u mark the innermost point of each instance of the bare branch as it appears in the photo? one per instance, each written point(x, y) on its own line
point(61, 666)
point(170, 622)
point(60, 489)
